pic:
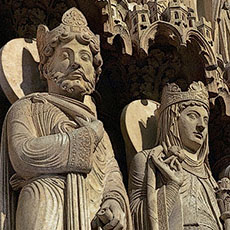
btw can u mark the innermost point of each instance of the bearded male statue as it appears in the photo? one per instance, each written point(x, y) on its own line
point(170, 185)
point(58, 169)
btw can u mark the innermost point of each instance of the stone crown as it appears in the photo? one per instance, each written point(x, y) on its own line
point(76, 21)
point(73, 17)
point(73, 22)
point(172, 94)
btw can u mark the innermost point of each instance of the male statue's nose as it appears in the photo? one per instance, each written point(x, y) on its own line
point(75, 65)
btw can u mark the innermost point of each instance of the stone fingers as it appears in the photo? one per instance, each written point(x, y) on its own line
point(117, 223)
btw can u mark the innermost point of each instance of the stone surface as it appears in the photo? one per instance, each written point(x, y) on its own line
point(179, 50)
point(170, 185)
point(23, 77)
point(56, 158)
point(139, 116)
point(145, 45)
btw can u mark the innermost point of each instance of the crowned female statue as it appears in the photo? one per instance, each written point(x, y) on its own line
point(171, 185)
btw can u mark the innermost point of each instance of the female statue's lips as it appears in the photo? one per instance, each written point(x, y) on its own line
point(198, 135)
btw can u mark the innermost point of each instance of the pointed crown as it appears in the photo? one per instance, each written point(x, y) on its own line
point(172, 94)
point(73, 22)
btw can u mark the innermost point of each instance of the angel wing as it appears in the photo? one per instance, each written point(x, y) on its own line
point(19, 75)
point(139, 127)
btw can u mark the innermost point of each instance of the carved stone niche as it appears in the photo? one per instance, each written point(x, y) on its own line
point(23, 17)
point(165, 56)
point(219, 139)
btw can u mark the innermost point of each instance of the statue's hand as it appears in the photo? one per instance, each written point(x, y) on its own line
point(96, 125)
point(170, 167)
point(110, 216)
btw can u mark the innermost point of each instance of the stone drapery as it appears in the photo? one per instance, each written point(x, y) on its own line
point(41, 166)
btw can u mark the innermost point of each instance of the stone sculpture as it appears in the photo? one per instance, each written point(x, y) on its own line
point(170, 185)
point(223, 199)
point(55, 153)
point(222, 28)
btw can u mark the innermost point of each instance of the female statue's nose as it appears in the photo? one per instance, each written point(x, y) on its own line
point(200, 127)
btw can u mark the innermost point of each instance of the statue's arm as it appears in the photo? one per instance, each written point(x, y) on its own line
point(138, 191)
point(114, 187)
point(115, 203)
point(151, 205)
point(31, 155)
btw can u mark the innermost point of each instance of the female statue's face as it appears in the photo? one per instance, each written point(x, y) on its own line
point(193, 127)
point(227, 5)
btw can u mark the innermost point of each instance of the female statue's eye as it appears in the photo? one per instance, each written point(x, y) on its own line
point(192, 116)
point(206, 121)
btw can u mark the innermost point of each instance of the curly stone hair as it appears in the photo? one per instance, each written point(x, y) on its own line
point(47, 41)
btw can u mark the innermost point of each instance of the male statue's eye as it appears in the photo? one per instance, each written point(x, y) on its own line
point(65, 55)
point(85, 57)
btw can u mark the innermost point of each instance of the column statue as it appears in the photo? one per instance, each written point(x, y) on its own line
point(222, 31)
point(171, 185)
point(58, 169)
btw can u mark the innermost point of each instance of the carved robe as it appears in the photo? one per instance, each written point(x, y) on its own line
point(153, 206)
point(44, 142)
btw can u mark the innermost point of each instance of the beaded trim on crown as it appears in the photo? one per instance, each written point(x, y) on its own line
point(172, 94)
point(76, 21)
point(73, 17)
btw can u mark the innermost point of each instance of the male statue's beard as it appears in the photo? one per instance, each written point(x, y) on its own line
point(74, 82)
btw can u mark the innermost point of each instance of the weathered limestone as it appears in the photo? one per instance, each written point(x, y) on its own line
point(56, 158)
point(23, 76)
point(138, 116)
point(146, 45)
point(170, 185)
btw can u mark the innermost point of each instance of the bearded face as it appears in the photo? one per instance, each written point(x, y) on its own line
point(71, 69)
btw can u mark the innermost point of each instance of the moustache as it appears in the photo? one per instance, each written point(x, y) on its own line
point(75, 74)
point(58, 77)
point(61, 78)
